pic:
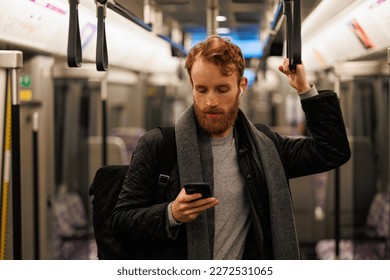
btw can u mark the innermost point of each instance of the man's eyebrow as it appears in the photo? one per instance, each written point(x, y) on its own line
point(218, 85)
point(223, 85)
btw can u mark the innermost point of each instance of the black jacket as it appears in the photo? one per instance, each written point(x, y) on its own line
point(142, 223)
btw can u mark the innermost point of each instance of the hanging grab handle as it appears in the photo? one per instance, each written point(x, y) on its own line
point(292, 11)
point(101, 44)
point(74, 41)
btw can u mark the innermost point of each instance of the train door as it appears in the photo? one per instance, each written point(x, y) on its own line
point(77, 117)
point(82, 121)
point(363, 88)
point(166, 97)
point(36, 93)
point(364, 97)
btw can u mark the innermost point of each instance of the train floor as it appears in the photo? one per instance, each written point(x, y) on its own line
point(308, 251)
point(87, 250)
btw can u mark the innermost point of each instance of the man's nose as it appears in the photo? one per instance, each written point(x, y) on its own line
point(212, 99)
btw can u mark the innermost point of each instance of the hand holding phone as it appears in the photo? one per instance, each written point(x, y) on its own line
point(198, 187)
point(185, 208)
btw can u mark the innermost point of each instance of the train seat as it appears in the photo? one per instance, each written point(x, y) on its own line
point(130, 136)
point(371, 244)
point(71, 228)
point(116, 153)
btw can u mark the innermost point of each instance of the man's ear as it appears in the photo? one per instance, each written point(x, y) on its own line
point(243, 84)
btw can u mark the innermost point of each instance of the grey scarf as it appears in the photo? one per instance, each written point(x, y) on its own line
point(196, 164)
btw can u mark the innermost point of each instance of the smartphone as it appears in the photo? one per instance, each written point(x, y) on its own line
point(198, 187)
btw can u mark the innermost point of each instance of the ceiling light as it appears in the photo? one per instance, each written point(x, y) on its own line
point(223, 30)
point(220, 18)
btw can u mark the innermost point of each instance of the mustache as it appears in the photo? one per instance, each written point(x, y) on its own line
point(213, 110)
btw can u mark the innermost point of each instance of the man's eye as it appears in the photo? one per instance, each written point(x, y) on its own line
point(223, 90)
point(202, 90)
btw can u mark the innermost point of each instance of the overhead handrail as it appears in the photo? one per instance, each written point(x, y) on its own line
point(177, 49)
point(276, 25)
point(74, 53)
point(292, 11)
point(278, 19)
point(126, 14)
point(288, 11)
point(101, 43)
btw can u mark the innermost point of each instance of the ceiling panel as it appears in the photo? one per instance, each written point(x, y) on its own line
point(244, 17)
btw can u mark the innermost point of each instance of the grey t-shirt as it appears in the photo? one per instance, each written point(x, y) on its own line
point(232, 218)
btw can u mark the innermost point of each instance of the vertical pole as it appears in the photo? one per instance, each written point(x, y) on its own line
point(103, 92)
point(12, 61)
point(212, 11)
point(388, 155)
point(36, 185)
point(16, 176)
point(148, 11)
point(337, 212)
point(6, 169)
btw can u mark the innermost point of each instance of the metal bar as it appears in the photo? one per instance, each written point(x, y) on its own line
point(16, 174)
point(179, 50)
point(388, 179)
point(6, 164)
point(12, 61)
point(337, 213)
point(212, 10)
point(278, 18)
point(36, 185)
point(125, 13)
point(276, 24)
point(103, 91)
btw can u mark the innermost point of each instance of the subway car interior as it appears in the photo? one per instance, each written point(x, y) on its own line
point(82, 80)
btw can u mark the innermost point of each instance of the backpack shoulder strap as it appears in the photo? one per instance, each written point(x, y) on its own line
point(166, 157)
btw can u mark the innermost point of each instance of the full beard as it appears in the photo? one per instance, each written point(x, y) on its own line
point(220, 124)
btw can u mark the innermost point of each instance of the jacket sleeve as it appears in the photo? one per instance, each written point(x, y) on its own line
point(328, 146)
point(136, 215)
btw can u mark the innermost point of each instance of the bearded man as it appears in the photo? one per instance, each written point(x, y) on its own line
point(247, 167)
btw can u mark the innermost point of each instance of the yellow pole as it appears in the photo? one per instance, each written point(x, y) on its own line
point(6, 174)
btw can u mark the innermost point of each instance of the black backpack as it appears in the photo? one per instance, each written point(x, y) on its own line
point(105, 189)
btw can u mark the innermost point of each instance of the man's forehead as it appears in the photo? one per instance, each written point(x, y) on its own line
point(212, 79)
point(203, 64)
